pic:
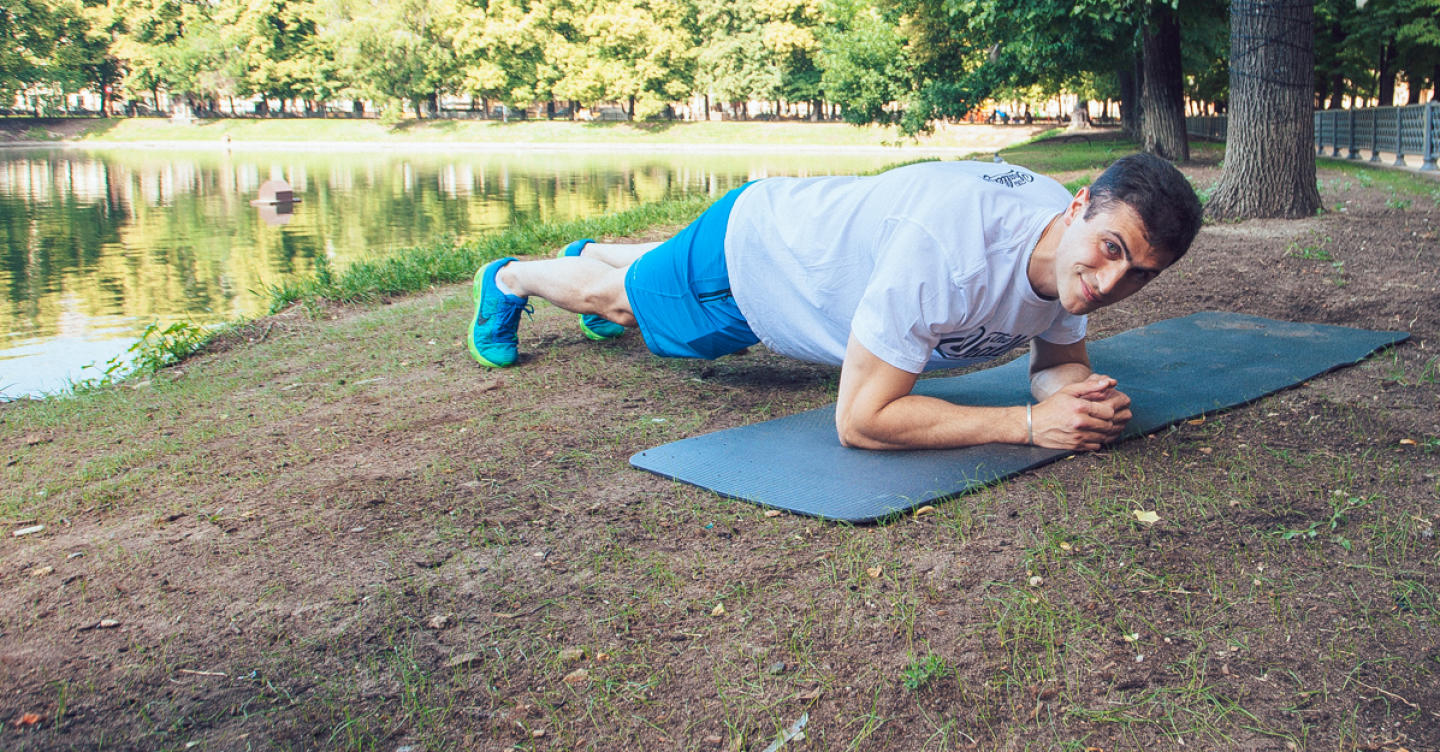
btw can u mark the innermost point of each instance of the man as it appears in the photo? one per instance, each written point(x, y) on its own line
point(933, 265)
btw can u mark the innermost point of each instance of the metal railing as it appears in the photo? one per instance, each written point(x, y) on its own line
point(1412, 130)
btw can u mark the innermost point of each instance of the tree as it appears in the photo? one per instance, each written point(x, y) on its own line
point(863, 60)
point(1162, 96)
point(396, 52)
point(734, 63)
point(282, 53)
point(1269, 159)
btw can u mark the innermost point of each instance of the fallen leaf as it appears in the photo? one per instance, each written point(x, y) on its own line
point(1065, 546)
point(108, 624)
point(1149, 518)
point(463, 660)
point(874, 573)
point(719, 610)
point(41, 571)
point(570, 655)
point(1196, 422)
point(28, 719)
point(1408, 442)
point(1206, 450)
point(810, 696)
point(438, 621)
point(927, 509)
point(772, 512)
point(602, 657)
point(578, 676)
point(1037, 581)
point(1132, 637)
point(28, 530)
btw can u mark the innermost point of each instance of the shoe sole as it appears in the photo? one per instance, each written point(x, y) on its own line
point(475, 290)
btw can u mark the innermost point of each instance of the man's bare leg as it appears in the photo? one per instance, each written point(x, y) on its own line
point(616, 254)
point(578, 284)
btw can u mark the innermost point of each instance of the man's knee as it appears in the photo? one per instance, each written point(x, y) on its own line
point(607, 297)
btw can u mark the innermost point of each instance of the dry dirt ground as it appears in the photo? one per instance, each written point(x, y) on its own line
point(338, 532)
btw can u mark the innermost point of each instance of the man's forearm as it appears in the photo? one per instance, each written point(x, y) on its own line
point(919, 422)
point(1051, 380)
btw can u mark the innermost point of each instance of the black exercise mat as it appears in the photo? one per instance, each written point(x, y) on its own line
point(1173, 370)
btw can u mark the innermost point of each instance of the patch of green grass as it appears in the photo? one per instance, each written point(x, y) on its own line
point(923, 670)
point(241, 131)
point(446, 260)
point(1396, 181)
point(1340, 509)
point(1312, 248)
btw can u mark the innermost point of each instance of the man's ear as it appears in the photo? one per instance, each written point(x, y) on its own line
point(1076, 209)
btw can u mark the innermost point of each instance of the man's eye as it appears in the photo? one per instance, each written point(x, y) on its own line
point(1111, 249)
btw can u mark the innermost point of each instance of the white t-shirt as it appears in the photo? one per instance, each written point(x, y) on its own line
point(925, 263)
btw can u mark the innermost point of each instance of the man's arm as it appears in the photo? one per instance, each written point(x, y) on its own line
point(1054, 367)
point(875, 410)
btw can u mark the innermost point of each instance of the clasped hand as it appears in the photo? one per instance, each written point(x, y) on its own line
point(1083, 415)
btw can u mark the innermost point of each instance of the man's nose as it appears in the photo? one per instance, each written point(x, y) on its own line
point(1109, 277)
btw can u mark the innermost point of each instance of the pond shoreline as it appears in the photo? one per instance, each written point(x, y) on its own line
point(504, 146)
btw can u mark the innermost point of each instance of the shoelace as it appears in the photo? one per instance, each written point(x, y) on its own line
point(508, 315)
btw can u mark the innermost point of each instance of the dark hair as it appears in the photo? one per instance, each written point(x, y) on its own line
point(1167, 205)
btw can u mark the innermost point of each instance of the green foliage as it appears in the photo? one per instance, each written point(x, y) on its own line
point(448, 261)
point(1341, 506)
point(922, 671)
point(882, 60)
point(156, 349)
point(864, 60)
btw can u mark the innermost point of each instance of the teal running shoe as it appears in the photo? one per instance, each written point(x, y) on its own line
point(594, 325)
point(494, 328)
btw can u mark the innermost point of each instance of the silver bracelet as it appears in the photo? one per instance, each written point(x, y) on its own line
point(1030, 422)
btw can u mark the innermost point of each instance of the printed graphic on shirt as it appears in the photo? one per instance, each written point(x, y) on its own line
point(1011, 179)
point(978, 344)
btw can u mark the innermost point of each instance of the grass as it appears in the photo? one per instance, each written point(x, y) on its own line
point(447, 261)
point(337, 130)
point(285, 492)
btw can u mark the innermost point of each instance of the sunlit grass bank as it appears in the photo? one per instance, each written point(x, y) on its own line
point(321, 132)
point(446, 260)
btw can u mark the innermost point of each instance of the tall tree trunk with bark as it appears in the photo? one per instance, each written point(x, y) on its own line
point(1162, 91)
point(1386, 89)
point(1080, 116)
point(1270, 156)
point(1130, 101)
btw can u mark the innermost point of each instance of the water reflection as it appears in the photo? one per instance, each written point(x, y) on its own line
point(96, 245)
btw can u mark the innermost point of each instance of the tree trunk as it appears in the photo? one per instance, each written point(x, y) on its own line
point(1080, 116)
point(1435, 83)
point(1129, 103)
point(1270, 156)
point(1337, 91)
point(630, 113)
point(1162, 91)
point(1414, 82)
point(707, 106)
point(1386, 88)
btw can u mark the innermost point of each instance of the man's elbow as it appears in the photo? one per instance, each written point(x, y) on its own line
point(852, 434)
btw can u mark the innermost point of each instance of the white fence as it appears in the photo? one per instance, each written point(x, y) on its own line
point(1412, 130)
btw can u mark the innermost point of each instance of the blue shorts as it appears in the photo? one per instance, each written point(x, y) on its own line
point(680, 291)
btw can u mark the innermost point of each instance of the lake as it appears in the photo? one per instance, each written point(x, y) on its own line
point(98, 244)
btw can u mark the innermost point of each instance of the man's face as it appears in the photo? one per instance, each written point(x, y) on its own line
point(1104, 259)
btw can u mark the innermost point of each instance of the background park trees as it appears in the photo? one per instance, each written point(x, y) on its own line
point(911, 61)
